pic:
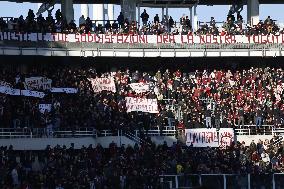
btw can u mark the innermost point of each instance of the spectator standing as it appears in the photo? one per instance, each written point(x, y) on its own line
point(156, 19)
point(208, 118)
point(120, 19)
point(145, 17)
point(258, 115)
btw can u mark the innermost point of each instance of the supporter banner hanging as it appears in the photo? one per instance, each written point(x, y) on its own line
point(42, 83)
point(103, 84)
point(32, 93)
point(10, 91)
point(64, 90)
point(226, 137)
point(209, 137)
point(5, 84)
point(202, 137)
point(44, 107)
point(141, 105)
point(140, 87)
point(140, 39)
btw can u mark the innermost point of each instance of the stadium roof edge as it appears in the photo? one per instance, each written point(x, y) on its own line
point(174, 3)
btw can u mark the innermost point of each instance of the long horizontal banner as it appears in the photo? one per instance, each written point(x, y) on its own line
point(39, 83)
point(143, 39)
point(141, 105)
point(209, 137)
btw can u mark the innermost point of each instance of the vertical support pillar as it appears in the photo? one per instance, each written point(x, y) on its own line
point(273, 181)
point(98, 13)
point(163, 13)
point(138, 17)
point(195, 24)
point(190, 17)
point(167, 11)
point(176, 179)
point(225, 182)
point(128, 9)
point(110, 11)
point(253, 12)
point(67, 10)
point(85, 10)
point(249, 187)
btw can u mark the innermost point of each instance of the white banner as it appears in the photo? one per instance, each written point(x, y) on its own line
point(141, 104)
point(10, 91)
point(209, 137)
point(32, 93)
point(103, 84)
point(226, 137)
point(202, 137)
point(44, 107)
point(42, 83)
point(64, 90)
point(144, 39)
point(140, 87)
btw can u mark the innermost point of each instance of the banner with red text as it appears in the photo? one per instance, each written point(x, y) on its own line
point(103, 84)
point(144, 39)
point(209, 137)
point(141, 105)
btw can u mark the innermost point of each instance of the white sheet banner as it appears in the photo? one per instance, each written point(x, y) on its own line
point(64, 90)
point(144, 39)
point(202, 137)
point(226, 137)
point(10, 91)
point(32, 93)
point(44, 107)
point(42, 83)
point(141, 104)
point(103, 84)
point(140, 87)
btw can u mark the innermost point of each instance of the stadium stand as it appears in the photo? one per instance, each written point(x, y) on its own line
point(232, 26)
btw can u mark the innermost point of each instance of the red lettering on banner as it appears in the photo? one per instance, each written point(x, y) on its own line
point(77, 38)
point(165, 39)
point(228, 39)
point(83, 38)
point(159, 39)
point(134, 39)
point(190, 39)
point(54, 36)
point(202, 39)
point(208, 39)
point(126, 38)
point(275, 37)
point(90, 37)
point(143, 39)
point(119, 38)
point(107, 38)
point(182, 41)
point(282, 38)
point(249, 38)
point(233, 39)
point(263, 39)
point(215, 39)
point(256, 39)
point(171, 38)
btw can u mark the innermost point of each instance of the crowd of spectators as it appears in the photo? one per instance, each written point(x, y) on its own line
point(122, 25)
point(140, 167)
point(217, 98)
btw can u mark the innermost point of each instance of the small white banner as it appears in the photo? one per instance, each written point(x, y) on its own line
point(10, 91)
point(32, 93)
point(42, 83)
point(140, 87)
point(141, 105)
point(103, 84)
point(226, 137)
point(64, 90)
point(44, 107)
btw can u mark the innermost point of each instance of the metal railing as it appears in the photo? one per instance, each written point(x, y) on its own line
point(223, 181)
point(78, 132)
